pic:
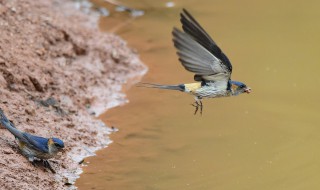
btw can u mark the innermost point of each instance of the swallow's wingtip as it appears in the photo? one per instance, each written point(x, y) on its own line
point(184, 10)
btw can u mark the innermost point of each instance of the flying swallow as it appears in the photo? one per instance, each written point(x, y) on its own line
point(199, 54)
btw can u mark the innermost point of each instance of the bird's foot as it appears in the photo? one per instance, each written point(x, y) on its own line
point(46, 164)
point(197, 105)
point(33, 163)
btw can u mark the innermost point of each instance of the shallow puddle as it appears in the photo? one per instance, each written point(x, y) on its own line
point(268, 139)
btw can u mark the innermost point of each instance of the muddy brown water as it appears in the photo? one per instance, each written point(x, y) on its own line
point(268, 139)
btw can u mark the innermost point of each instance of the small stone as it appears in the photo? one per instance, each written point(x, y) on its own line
point(31, 112)
point(8, 151)
point(36, 84)
point(70, 125)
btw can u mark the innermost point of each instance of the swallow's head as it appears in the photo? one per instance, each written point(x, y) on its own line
point(239, 88)
point(58, 143)
point(55, 144)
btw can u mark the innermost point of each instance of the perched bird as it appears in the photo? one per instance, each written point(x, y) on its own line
point(33, 146)
point(199, 54)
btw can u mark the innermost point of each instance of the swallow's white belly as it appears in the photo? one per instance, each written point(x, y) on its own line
point(211, 92)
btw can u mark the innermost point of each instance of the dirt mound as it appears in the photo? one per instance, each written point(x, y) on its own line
point(56, 71)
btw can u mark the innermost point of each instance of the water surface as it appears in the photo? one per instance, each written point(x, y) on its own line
point(268, 139)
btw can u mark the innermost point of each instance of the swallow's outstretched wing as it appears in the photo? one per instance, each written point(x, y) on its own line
point(198, 53)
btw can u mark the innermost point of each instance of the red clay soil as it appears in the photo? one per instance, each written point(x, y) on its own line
point(56, 71)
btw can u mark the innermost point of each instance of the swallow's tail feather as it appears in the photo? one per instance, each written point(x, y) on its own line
point(8, 125)
point(179, 87)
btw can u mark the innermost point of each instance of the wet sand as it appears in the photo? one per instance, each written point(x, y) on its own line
point(265, 140)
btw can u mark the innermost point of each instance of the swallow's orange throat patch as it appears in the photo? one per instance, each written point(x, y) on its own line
point(234, 87)
point(50, 142)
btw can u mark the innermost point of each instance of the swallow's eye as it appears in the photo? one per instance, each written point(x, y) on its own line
point(242, 86)
point(58, 145)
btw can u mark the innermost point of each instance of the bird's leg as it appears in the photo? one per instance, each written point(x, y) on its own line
point(31, 159)
point(201, 107)
point(46, 164)
point(196, 104)
point(33, 163)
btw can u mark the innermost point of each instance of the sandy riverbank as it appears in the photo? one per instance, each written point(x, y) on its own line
point(56, 71)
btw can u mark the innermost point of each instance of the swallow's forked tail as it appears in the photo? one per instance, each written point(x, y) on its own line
point(7, 124)
point(3, 119)
point(179, 87)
